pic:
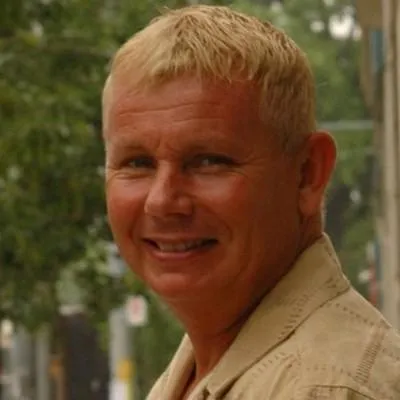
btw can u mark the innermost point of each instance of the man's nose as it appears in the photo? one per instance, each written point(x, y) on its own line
point(168, 194)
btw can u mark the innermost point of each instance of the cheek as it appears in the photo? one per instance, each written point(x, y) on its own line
point(266, 207)
point(279, 211)
point(123, 205)
point(233, 201)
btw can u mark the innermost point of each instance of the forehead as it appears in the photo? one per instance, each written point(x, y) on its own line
point(206, 109)
point(228, 97)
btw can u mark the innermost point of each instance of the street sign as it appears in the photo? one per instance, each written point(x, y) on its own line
point(119, 390)
point(136, 310)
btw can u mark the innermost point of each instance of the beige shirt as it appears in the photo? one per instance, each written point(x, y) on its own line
point(312, 338)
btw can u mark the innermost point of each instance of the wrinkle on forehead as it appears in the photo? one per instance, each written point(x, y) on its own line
point(182, 108)
point(186, 89)
point(130, 117)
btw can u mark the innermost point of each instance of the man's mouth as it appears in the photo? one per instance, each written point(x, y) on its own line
point(181, 246)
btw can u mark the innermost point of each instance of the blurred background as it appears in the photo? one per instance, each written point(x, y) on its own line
point(75, 324)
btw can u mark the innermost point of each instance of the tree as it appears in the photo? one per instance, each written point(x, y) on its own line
point(54, 57)
point(52, 208)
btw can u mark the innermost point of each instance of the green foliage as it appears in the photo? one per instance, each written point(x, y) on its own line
point(353, 212)
point(51, 181)
point(334, 62)
point(54, 57)
point(354, 148)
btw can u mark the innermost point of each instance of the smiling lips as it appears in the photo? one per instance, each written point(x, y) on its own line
point(180, 246)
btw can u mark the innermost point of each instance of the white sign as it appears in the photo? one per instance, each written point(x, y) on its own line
point(136, 309)
point(119, 390)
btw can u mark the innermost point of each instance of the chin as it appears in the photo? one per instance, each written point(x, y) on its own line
point(173, 287)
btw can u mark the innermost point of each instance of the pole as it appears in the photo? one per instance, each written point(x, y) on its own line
point(121, 371)
point(121, 385)
point(42, 364)
point(396, 28)
point(7, 331)
point(21, 361)
point(391, 239)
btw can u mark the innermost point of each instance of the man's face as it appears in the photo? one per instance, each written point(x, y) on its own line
point(201, 200)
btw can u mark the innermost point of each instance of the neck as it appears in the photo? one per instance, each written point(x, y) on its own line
point(213, 324)
point(212, 330)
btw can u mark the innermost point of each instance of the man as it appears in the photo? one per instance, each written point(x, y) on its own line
point(215, 183)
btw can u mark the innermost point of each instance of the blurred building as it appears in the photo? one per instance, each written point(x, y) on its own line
point(380, 71)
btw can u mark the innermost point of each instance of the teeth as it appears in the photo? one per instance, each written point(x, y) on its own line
point(179, 247)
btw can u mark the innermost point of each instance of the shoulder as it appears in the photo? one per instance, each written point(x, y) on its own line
point(347, 345)
point(344, 350)
point(176, 373)
point(158, 388)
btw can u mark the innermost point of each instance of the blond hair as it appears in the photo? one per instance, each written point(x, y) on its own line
point(217, 42)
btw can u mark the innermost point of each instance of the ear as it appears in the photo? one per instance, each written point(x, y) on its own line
point(317, 163)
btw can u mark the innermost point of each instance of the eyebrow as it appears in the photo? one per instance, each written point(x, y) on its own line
point(125, 146)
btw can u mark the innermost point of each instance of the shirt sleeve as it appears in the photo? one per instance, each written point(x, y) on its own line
point(157, 389)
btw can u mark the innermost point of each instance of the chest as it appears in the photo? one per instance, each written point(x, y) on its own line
point(271, 378)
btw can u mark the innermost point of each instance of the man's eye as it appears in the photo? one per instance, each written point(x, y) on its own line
point(212, 160)
point(141, 162)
